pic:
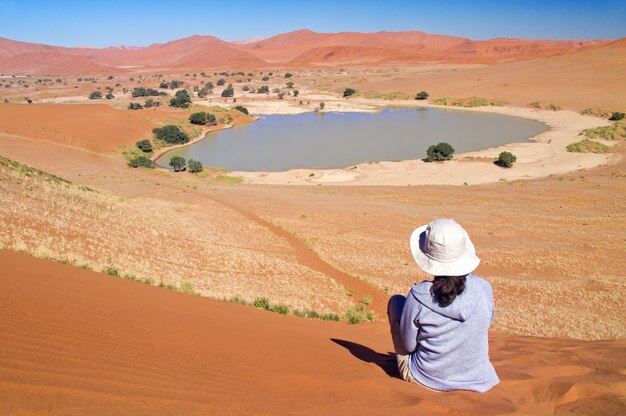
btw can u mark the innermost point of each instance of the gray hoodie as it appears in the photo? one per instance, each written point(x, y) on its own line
point(449, 345)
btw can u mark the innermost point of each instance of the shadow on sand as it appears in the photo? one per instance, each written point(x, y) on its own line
point(387, 362)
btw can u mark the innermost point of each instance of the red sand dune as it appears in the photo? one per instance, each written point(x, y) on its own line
point(96, 127)
point(303, 48)
point(391, 47)
point(78, 342)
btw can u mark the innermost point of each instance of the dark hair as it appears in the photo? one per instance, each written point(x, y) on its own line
point(446, 288)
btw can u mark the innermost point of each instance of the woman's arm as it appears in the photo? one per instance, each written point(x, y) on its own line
point(408, 323)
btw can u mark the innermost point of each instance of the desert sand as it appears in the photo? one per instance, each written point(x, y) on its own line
point(550, 232)
point(66, 350)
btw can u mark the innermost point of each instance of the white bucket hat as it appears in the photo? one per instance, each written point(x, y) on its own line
point(443, 248)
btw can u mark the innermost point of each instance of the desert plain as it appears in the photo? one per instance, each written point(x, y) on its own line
point(100, 333)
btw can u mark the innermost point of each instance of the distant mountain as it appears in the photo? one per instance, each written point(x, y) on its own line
point(302, 48)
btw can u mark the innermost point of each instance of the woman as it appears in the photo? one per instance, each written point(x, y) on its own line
point(440, 330)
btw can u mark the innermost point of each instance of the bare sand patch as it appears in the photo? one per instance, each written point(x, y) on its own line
point(80, 342)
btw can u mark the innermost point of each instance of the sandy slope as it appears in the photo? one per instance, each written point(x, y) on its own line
point(96, 127)
point(585, 78)
point(75, 342)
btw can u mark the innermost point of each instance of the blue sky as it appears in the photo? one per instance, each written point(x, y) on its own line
point(140, 23)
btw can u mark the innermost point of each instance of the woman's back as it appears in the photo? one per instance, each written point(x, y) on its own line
point(450, 343)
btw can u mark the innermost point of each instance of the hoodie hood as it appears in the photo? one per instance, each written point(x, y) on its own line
point(460, 309)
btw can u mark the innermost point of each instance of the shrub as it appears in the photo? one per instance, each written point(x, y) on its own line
point(181, 99)
point(617, 116)
point(228, 92)
point(112, 271)
point(322, 105)
point(135, 106)
point(186, 287)
point(261, 303)
point(95, 95)
point(221, 82)
point(349, 92)
point(422, 95)
point(176, 84)
point(194, 166)
point(144, 145)
point(210, 119)
point(198, 118)
point(506, 159)
point(296, 93)
point(554, 107)
point(265, 78)
point(588, 146)
point(164, 85)
point(288, 75)
point(612, 132)
point(246, 88)
point(263, 89)
point(177, 163)
point(598, 112)
point(151, 103)
point(171, 134)
point(242, 109)
point(141, 162)
point(230, 179)
point(144, 92)
point(109, 96)
point(354, 316)
point(440, 151)
point(290, 84)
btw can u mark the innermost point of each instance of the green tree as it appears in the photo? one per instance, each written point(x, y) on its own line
point(144, 145)
point(422, 95)
point(164, 85)
point(228, 92)
point(221, 82)
point(322, 105)
point(109, 96)
point(349, 92)
point(181, 99)
point(135, 106)
point(176, 84)
point(288, 75)
point(506, 159)
point(171, 134)
point(178, 163)
point(265, 78)
point(242, 109)
point(198, 118)
point(141, 162)
point(194, 166)
point(296, 93)
point(210, 119)
point(144, 92)
point(290, 84)
point(440, 151)
point(95, 95)
point(263, 89)
point(617, 116)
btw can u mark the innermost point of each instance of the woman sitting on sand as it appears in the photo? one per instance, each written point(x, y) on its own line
point(440, 330)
